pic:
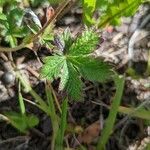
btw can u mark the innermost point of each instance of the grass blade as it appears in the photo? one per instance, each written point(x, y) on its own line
point(119, 81)
point(53, 115)
point(63, 123)
point(21, 102)
point(140, 113)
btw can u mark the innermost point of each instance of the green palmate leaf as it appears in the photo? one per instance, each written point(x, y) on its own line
point(12, 40)
point(56, 66)
point(68, 40)
point(10, 3)
point(71, 81)
point(85, 44)
point(10, 26)
point(52, 67)
point(3, 16)
point(93, 69)
point(88, 9)
point(76, 62)
point(15, 18)
point(64, 76)
point(115, 10)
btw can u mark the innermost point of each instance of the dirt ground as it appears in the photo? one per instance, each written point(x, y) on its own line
point(115, 43)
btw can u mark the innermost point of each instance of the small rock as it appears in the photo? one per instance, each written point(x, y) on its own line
point(107, 35)
point(117, 37)
point(134, 24)
point(69, 20)
point(148, 44)
point(77, 11)
point(124, 28)
point(8, 78)
point(123, 42)
point(3, 93)
point(127, 20)
point(148, 130)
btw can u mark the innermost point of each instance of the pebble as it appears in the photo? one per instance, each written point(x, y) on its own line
point(148, 130)
point(142, 43)
point(123, 28)
point(3, 93)
point(77, 11)
point(8, 78)
point(69, 20)
point(134, 24)
point(148, 44)
point(123, 42)
point(136, 21)
point(117, 37)
point(127, 20)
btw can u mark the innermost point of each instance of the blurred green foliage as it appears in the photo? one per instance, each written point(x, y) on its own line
point(110, 11)
point(10, 26)
point(13, 28)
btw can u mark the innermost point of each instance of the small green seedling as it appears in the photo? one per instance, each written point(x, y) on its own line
point(21, 120)
point(75, 61)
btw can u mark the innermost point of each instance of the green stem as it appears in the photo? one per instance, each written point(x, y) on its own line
point(8, 49)
point(37, 98)
point(107, 131)
point(55, 97)
point(43, 106)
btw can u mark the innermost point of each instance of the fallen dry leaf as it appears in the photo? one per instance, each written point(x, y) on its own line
point(109, 29)
point(90, 133)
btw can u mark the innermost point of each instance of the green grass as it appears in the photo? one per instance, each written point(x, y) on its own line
point(108, 127)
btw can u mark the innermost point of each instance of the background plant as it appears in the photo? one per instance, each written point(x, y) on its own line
point(110, 11)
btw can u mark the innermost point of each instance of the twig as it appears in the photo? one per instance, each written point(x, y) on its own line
point(131, 113)
point(53, 18)
point(38, 133)
point(138, 35)
point(3, 56)
point(101, 104)
point(128, 115)
point(77, 142)
point(68, 7)
point(33, 72)
point(2, 117)
point(31, 102)
point(55, 97)
point(18, 138)
point(8, 49)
